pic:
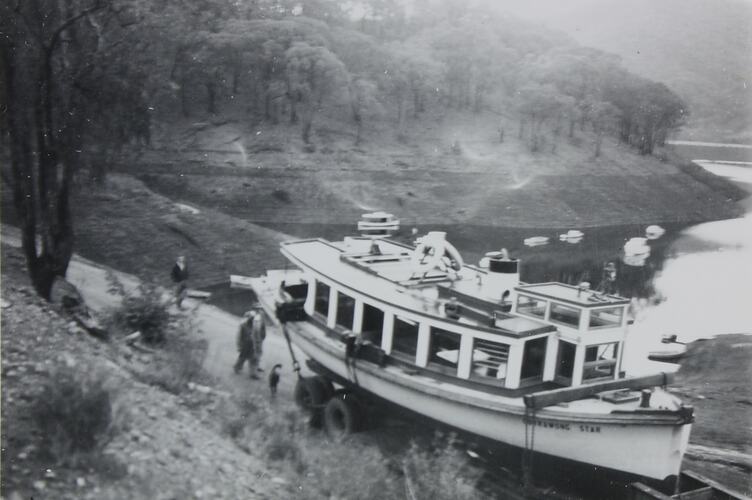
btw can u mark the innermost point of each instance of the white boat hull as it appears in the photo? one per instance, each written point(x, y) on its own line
point(642, 445)
point(635, 449)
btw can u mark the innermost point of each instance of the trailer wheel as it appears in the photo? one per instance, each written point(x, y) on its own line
point(342, 416)
point(310, 395)
point(326, 386)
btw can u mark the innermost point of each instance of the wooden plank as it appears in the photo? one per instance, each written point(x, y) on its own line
point(539, 400)
point(237, 281)
point(719, 491)
point(198, 294)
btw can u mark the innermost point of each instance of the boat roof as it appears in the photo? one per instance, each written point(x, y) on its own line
point(377, 215)
point(572, 294)
point(390, 277)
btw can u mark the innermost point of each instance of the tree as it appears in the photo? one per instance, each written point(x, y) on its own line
point(363, 100)
point(537, 104)
point(603, 116)
point(49, 53)
point(314, 74)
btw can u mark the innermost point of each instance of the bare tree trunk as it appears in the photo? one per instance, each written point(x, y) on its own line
point(40, 191)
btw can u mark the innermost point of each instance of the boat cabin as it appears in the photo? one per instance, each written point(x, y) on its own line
point(591, 328)
point(472, 326)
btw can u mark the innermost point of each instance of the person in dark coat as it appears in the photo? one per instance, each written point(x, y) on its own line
point(246, 351)
point(274, 380)
point(180, 277)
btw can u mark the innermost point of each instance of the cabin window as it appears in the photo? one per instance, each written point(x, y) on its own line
point(444, 348)
point(405, 337)
point(600, 361)
point(564, 315)
point(321, 305)
point(345, 310)
point(489, 360)
point(606, 318)
point(565, 367)
point(533, 358)
point(373, 324)
point(530, 306)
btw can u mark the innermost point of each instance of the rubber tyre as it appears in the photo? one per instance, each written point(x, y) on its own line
point(310, 395)
point(326, 386)
point(342, 417)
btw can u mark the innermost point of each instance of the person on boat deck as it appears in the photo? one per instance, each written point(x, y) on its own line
point(453, 309)
point(375, 250)
point(283, 294)
point(251, 335)
point(180, 278)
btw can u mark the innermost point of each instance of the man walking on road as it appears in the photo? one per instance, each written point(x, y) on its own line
point(251, 335)
point(180, 277)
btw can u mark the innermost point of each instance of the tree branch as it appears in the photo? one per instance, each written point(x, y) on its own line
point(98, 5)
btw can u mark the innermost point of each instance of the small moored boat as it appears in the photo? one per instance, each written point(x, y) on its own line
point(474, 349)
point(535, 241)
point(636, 247)
point(573, 235)
point(653, 232)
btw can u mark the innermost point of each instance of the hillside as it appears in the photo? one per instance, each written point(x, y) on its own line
point(702, 49)
point(453, 170)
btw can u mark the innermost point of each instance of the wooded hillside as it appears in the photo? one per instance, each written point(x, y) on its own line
point(85, 81)
point(701, 49)
point(129, 63)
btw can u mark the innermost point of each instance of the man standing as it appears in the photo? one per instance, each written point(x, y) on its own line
point(180, 277)
point(251, 336)
point(258, 334)
point(245, 343)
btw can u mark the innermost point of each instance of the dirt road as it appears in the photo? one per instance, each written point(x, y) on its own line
point(219, 326)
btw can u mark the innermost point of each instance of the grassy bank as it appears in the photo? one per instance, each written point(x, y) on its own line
point(262, 174)
point(126, 226)
point(715, 378)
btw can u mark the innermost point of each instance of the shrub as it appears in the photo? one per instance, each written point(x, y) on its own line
point(440, 471)
point(146, 310)
point(236, 415)
point(354, 470)
point(282, 438)
point(74, 412)
point(282, 195)
point(182, 362)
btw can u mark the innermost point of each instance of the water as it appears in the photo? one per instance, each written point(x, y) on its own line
point(712, 151)
point(705, 282)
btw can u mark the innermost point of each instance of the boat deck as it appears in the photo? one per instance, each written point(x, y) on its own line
point(389, 277)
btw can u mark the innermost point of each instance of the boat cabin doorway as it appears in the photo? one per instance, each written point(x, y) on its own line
point(565, 363)
point(533, 361)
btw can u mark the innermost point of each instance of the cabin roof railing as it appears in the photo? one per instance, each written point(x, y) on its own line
point(571, 294)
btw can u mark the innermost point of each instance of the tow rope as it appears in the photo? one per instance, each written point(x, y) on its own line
point(295, 364)
point(527, 454)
